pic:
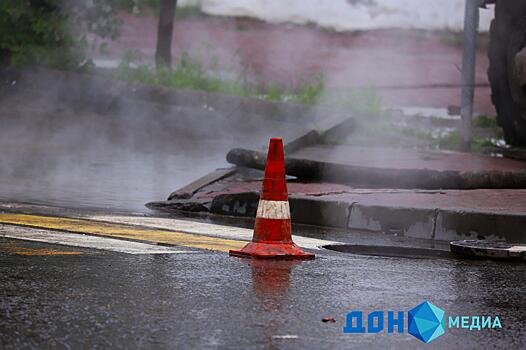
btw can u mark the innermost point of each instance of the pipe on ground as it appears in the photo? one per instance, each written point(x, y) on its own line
point(382, 177)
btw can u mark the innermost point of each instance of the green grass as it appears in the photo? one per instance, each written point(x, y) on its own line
point(478, 144)
point(189, 72)
point(484, 121)
point(451, 141)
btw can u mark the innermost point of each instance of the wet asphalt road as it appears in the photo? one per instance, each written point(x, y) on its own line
point(211, 301)
point(99, 299)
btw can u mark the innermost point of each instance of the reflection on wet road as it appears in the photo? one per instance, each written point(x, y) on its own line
point(211, 300)
point(105, 178)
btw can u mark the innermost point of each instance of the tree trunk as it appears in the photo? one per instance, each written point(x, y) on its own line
point(163, 54)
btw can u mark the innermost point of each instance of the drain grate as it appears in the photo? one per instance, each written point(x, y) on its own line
point(489, 250)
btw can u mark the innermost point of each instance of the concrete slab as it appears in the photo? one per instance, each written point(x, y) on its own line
point(402, 158)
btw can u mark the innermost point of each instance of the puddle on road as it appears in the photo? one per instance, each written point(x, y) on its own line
point(118, 179)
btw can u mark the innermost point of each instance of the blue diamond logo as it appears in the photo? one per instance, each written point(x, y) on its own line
point(426, 322)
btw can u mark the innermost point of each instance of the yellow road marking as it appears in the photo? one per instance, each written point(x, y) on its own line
point(43, 252)
point(122, 231)
point(13, 249)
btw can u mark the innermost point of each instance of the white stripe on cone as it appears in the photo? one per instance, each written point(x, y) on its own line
point(273, 210)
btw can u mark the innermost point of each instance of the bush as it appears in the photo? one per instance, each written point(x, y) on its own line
point(41, 32)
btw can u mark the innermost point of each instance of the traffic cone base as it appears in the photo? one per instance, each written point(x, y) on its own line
point(272, 251)
point(272, 237)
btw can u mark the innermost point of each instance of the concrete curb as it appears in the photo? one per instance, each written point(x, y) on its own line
point(303, 210)
point(425, 223)
point(402, 221)
point(479, 225)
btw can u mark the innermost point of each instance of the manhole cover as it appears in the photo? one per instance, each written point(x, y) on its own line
point(390, 251)
point(489, 250)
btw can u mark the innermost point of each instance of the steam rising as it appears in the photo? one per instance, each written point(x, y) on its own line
point(73, 140)
point(68, 140)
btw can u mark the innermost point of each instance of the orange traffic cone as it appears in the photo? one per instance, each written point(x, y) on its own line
point(272, 231)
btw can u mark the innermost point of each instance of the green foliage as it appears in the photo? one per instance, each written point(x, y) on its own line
point(484, 121)
point(41, 31)
point(34, 32)
point(98, 16)
point(187, 73)
point(309, 92)
point(190, 73)
point(478, 144)
point(450, 141)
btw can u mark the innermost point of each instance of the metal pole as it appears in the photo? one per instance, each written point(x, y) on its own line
point(471, 24)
